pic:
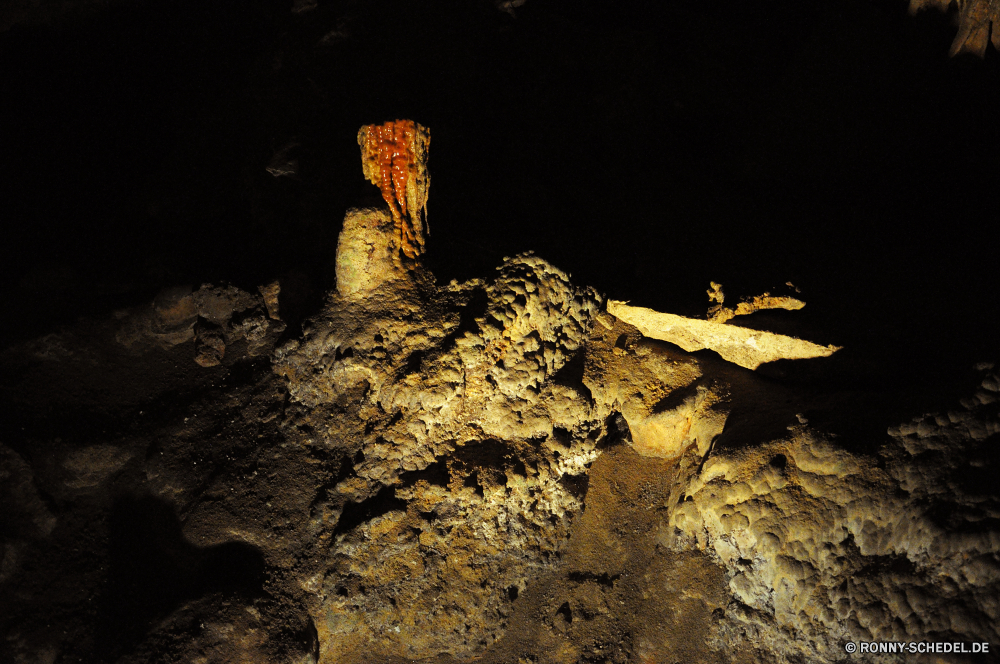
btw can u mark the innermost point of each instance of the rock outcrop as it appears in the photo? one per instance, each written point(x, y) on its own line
point(745, 347)
point(469, 438)
point(977, 21)
point(501, 470)
point(823, 547)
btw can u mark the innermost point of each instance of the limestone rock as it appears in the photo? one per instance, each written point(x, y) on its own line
point(822, 547)
point(745, 347)
point(660, 392)
point(497, 469)
point(977, 20)
point(214, 317)
point(210, 345)
point(92, 465)
point(366, 251)
point(271, 293)
point(721, 314)
point(465, 441)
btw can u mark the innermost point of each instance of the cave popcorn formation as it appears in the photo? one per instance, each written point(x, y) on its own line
point(469, 458)
point(500, 470)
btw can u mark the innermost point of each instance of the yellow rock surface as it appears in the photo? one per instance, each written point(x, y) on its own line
point(745, 347)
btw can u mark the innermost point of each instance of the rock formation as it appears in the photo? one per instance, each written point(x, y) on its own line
point(394, 158)
point(502, 470)
point(977, 22)
point(745, 347)
point(822, 547)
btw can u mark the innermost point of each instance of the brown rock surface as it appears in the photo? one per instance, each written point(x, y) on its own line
point(491, 471)
point(977, 21)
point(495, 470)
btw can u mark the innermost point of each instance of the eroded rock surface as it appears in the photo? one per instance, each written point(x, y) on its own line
point(213, 316)
point(745, 347)
point(822, 547)
point(470, 438)
point(494, 470)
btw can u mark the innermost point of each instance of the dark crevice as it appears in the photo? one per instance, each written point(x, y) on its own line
point(576, 485)
point(355, 514)
point(436, 474)
point(518, 468)
point(491, 454)
point(326, 491)
point(617, 432)
point(675, 398)
point(565, 613)
point(468, 315)
point(562, 436)
point(412, 365)
point(570, 374)
point(471, 481)
point(153, 569)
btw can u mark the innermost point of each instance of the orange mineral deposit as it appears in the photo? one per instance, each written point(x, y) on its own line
point(394, 158)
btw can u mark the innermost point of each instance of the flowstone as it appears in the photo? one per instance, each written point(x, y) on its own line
point(823, 547)
point(466, 419)
point(469, 435)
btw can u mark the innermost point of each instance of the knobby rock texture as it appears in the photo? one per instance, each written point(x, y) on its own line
point(468, 452)
point(495, 470)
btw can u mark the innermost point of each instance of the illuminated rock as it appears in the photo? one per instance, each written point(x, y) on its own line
point(468, 454)
point(367, 252)
point(372, 241)
point(822, 546)
point(661, 393)
point(745, 347)
point(721, 314)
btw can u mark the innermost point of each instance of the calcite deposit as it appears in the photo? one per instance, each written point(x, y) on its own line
point(367, 252)
point(506, 469)
point(823, 547)
point(500, 471)
point(394, 158)
point(470, 442)
point(745, 347)
point(723, 314)
point(977, 21)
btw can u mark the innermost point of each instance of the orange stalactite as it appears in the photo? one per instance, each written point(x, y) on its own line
point(390, 142)
point(394, 155)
